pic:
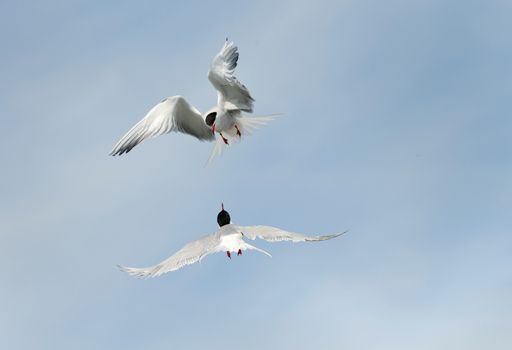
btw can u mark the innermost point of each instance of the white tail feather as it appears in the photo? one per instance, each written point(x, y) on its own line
point(218, 148)
point(246, 125)
point(251, 247)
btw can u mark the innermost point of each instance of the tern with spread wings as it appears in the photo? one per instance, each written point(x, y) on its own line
point(225, 119)
point(229, 238)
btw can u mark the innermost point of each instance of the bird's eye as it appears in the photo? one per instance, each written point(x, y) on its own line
point(210, 118)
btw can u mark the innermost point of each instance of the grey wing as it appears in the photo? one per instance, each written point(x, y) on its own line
point(191, 253)
point(232, 94)
point(172, 114)
point(274, 234)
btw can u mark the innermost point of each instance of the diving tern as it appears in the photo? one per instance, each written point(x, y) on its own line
point(229, 238)
point(225, 119)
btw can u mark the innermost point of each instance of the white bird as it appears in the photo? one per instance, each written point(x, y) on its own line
point(225, 119)
point(229, 238)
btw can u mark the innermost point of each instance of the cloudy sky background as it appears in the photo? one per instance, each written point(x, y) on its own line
point(396, 126)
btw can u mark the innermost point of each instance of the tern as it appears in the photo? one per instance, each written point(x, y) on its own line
point(229, 238)
point(225, 119)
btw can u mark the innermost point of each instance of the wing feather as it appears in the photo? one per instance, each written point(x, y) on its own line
point(274, 234)
point(232, 94)
point(191, 253)
point(172, 114)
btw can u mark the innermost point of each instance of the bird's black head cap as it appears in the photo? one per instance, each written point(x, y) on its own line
point(210, 118)
point(223, 217)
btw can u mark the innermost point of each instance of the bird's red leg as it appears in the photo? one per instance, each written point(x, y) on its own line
point(229, 254)
point(224, 139)
point(239, 252)
point(238, 131)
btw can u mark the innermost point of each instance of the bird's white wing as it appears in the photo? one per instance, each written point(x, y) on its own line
point(172, 114)
point(232, 94)
point(191, 253)
point(273, 234)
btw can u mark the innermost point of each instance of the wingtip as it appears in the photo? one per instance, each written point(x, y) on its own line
point(134, 272)
point(324, 238)
point(116, 152)
point(339, 234)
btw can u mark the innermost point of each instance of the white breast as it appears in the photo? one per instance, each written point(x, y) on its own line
point(224, 122)
point(231, 242)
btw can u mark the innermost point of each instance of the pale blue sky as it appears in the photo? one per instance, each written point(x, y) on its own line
point(396, 126)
